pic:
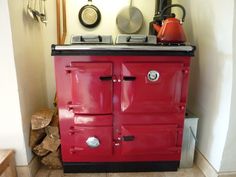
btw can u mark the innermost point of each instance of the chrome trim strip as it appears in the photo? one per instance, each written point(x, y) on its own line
point(124, 47)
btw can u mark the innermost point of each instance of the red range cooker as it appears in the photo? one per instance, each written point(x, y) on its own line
point(122, 106)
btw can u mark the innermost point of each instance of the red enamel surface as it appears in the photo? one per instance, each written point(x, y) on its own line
point(111, 109)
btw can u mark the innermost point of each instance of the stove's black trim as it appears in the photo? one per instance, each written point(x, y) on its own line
point(87, 167)
point(119, 52)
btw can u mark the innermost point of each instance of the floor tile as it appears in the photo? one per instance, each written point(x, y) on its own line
point(56, 173)
point(185, 172)
point(43, 172)
point(85, 175)
point(23, 172)
point(188, 172)
point(140, 174)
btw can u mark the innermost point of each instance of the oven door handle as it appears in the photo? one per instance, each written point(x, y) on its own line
point(128, 138)
point(129, 78)
point(105, 78)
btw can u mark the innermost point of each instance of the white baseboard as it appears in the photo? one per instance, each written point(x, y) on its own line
point(204, 165)
point(227, 174)
point(29, 170)
point(207, 168)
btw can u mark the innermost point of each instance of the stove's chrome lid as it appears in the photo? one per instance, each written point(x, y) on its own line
point(136, 39)
point(91, 39)
point(188, 48)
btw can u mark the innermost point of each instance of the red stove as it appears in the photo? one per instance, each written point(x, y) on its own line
point(121, 107)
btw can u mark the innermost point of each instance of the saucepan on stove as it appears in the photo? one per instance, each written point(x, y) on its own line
point(89, 15)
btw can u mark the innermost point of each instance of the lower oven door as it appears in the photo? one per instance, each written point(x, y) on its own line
point(149, 140)
point(87, 144)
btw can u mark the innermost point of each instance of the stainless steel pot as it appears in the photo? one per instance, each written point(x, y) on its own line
point(129, 20)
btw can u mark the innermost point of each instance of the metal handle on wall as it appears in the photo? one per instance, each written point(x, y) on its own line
point(194, 137)
point(131, 3)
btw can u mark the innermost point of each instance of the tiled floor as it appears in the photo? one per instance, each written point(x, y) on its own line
point(188, 172)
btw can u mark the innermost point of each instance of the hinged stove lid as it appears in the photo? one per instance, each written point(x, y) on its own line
point(91, 39)
point(136, 39)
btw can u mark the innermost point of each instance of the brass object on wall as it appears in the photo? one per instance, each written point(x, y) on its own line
point(61, 21)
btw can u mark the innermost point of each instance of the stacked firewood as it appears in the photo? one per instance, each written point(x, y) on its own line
point(45, 137)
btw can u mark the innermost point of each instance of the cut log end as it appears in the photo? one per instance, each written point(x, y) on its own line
point(40, 151)
point(41, 119)
point(36, 137)
point(45, 137)
point(52, 160)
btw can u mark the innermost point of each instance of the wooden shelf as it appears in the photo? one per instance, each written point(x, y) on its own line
point(7, 163)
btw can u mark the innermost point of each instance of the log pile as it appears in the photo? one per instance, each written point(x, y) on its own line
point(45, 137)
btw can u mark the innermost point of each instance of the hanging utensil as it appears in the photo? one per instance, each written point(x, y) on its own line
point(129, 20)
point(42, 11)
point(89, 15)
point(35, 12)
point(29, 9)
point(44, 20)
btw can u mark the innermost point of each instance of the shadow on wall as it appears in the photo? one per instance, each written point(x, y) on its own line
point(29, 62)
point(207, 82)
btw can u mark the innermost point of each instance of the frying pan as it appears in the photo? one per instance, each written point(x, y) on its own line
point(89, 15)
point(129, 20)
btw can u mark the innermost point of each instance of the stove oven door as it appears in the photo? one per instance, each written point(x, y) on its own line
point(91, 85)
point(149, 140)
point(151, 87)
point(86, 138)
point(87, 128)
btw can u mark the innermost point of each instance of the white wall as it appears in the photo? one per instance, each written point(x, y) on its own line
point(11, 134)
point(28, 51)
point(31, 48)
point(229, 161)
point(209, 25)
point(50, 37)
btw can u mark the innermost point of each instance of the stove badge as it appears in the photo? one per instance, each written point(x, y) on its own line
point(93, 142)
point(153, 75)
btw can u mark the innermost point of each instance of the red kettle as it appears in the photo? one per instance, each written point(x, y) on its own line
point(171, 30)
